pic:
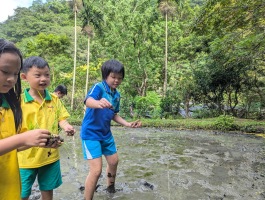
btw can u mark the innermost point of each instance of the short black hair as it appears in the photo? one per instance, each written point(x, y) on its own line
point(34, 61)
point(112, 66)
point(62, 89)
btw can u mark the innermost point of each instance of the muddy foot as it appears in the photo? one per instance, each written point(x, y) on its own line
point(111, 189)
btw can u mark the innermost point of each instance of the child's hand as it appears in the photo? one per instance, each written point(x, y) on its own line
point(54, 144)
point(104, 103)
point(136, 124)
point(70, 131)
point(37, 137)
point(54, 141)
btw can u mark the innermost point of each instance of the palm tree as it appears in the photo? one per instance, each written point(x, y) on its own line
point(167, 9)
point(89, 31)
point(77, 4)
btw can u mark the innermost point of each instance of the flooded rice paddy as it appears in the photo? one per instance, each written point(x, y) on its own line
point(164, 164)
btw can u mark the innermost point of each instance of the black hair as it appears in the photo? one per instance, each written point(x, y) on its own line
point(112, 66)
point(34, 61)
point(61, 88)
point(13, 95)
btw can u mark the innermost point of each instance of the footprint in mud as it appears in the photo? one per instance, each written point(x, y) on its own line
point(146, 184)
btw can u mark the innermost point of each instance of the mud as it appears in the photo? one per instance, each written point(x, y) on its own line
point(171, 165)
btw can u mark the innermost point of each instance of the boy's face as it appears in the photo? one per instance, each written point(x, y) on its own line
point(59, 94)
point(114, 80)
point(10, 64)
point(38, 79)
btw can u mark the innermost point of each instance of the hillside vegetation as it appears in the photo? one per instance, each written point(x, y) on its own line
point(177, 54)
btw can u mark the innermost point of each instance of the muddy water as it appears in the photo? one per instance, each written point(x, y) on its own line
point(173, 165)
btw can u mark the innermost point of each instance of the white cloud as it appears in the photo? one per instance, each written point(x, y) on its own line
point(7, 8)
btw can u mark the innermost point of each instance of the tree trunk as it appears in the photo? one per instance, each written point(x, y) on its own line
point(87, 70)
point(73, 89)
point(165, 75)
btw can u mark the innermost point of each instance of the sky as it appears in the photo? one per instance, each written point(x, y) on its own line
point(7, 7)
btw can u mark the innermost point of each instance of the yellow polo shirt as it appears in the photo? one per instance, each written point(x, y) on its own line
point(10, 186)
point(46, 115)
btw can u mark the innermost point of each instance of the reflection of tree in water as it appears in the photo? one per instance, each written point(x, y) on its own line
point(168, 174)
point(74, 152)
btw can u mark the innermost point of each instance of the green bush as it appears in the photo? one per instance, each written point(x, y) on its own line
point(225, 123)
point(147, 106)
point(205, 113)
point(170, 106)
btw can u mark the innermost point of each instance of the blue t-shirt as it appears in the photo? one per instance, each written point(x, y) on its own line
point(96, 122)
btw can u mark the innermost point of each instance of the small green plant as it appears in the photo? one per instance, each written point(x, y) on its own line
point(225, 123)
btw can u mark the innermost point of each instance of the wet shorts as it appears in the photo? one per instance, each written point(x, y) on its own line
point(95, 149)
point(49, 178)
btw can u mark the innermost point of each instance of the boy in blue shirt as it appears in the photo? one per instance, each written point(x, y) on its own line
point(103, 105)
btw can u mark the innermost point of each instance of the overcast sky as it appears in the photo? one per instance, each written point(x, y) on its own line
point(7, 7)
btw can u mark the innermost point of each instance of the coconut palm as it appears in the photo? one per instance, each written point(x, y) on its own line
point(90, 33)
point(76, 5)
point(167, 9)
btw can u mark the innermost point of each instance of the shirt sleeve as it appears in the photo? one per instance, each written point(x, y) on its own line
point(95, 92)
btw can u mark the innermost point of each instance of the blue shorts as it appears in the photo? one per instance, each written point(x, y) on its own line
point(49, 178)
point(95, 149)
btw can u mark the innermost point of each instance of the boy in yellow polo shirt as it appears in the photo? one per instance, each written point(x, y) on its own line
point(41, 109)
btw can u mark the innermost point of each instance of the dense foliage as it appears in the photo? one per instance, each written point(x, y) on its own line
point(177, 54)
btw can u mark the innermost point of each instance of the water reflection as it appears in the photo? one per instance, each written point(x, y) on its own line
point(172, 165)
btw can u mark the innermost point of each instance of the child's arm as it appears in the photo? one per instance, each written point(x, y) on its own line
point(68, 128)
point(102, 103)
point(118, 119)
point(37, 137)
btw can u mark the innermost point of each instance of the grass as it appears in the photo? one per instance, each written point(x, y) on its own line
point(242, 125)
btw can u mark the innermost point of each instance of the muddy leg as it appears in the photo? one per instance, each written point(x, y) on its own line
point(112, 163)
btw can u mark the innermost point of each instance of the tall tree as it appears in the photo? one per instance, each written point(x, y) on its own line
point(89, 31)
point(128, 29)
point(167, 9)
point(75, 49)
point(77, 4)
point(236, 33)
